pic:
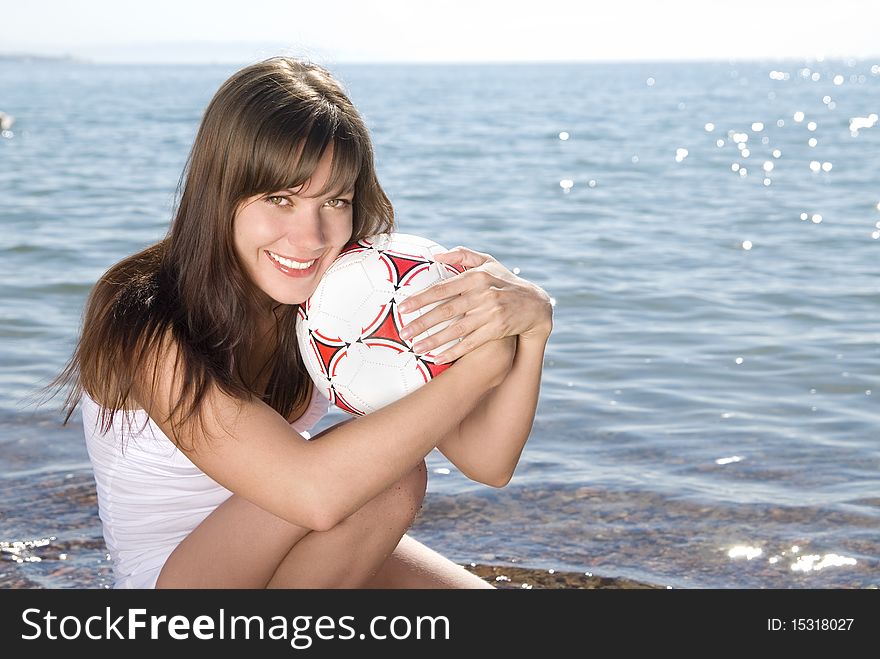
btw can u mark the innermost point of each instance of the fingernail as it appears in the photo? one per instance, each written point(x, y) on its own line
point(418, 347)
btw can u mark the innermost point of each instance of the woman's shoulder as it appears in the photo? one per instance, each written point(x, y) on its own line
point(127, 325)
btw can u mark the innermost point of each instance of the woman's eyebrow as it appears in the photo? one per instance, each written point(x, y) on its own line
point(339, 193)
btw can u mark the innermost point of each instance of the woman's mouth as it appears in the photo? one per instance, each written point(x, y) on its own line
point(291, 267)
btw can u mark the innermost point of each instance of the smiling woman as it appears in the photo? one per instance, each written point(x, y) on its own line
point(196, 404)
point(297, 232)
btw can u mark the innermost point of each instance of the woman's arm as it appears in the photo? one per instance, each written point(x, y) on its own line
point(251, 450)
point(487, 444)
point(489, 302)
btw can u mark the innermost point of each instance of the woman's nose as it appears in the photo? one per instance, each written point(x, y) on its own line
point(306, 231)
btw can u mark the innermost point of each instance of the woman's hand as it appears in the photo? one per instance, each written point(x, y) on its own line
point(491, 301)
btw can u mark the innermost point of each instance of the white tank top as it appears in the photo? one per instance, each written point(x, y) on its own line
point(150, 495)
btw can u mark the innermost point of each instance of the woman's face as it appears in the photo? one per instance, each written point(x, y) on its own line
point(287, 239)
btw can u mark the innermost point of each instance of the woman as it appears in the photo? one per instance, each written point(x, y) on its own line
point(196, 404)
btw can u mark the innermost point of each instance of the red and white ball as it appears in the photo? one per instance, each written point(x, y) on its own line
point(348, 331)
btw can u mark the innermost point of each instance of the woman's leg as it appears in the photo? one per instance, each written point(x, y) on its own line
point(353, 551)
point(413, 565)
point(240, 545)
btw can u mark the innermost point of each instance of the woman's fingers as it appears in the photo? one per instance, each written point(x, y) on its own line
point(454, 332)
point(485, 302)
point(463, 256)
point(443, 289)
point(444, 311)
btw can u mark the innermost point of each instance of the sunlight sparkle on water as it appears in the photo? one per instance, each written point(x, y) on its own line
point(19, 550)
point(746, 245)
point(814, 562)
point(857, 123)
point(798, 116)
point(757, 127)
point(811, 126)
point(826, 166)
point(730, 460)
point(566, 184)
point(719, 143)
point(816, 218)
point(442, 470)
point(804, 216)
point(838, 79)
point(815, 165)
point(563, 136)
point(768, 166)
point(777, 153)
point(709, 127)
point(680, 154)
point(812, 141)
point(744, 551)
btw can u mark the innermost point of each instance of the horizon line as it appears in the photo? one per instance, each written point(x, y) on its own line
point(80, 59)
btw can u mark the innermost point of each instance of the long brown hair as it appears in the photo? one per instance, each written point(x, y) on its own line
point(265, 130)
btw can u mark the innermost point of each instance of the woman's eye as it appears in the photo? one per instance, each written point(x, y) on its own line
point(338, 203)
point(277, 200)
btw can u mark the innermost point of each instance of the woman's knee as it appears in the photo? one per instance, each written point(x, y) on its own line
point(404, 499)
point(417, 483)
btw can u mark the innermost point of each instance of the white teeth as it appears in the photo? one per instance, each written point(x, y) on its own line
point(287, 263)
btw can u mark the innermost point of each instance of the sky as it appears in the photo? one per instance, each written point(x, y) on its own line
point(232, 31)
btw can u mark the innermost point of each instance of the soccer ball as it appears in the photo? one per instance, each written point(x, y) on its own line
point(348, 331)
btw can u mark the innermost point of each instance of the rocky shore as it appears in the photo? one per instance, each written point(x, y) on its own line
point(526, 578)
